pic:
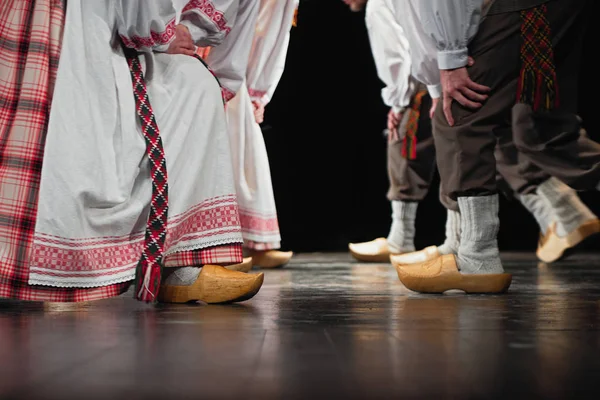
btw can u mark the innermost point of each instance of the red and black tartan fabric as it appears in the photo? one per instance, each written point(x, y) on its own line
point(149, 269)
point(409, 143)
point(538, 85)
point(30, 42)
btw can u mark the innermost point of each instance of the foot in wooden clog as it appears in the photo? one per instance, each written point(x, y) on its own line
point(416, 257)
point(374, 251)
point(211, 284)
point(553, 247)
point(271, 258)
point(244, 266)
point(441, 275)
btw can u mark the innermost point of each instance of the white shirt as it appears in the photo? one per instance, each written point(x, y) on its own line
point(391, 52)
point(424, 64)
point(269, 48)
point(451, 24)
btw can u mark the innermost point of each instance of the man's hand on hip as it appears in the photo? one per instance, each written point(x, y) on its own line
point(458, 86)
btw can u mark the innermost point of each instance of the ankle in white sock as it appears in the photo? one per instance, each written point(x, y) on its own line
point(567, 208)
point(402, 232)
point(183, 276)
point(478, 251)
point(450, 245)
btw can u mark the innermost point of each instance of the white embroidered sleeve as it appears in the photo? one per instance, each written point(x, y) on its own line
point(209, 22)
point(229, 60)
point(145, 25)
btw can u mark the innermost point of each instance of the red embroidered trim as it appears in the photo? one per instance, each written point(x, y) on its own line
point(155, 39)
point(227, 94)
point(257, 93)
point(258, 224)
point(207, 8)
point(220, 255)
point(108, 255)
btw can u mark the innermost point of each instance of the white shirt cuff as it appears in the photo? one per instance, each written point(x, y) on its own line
point(398, 110)
point(435, 91)
point(452, 59)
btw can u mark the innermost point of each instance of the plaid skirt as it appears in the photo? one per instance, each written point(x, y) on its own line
point(30, 40)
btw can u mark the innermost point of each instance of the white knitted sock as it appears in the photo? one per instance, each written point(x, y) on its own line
point(402, 232)
point(568, 209)
point(450, 245)
point(183, 276)
point(478, 251)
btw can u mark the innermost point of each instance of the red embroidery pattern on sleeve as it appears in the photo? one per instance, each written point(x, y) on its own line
point(155, 39)
point(258, 94)
point(207, 8)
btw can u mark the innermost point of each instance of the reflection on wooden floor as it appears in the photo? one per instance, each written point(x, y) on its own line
point(323, 327)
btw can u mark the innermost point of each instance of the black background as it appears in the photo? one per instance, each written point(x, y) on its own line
point(323, 131)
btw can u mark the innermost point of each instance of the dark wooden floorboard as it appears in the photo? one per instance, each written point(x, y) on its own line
point(323, 327)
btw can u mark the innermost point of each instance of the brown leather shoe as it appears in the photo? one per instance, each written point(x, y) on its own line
point(441, 274)
point(552, 247)
point(244, 266)
point(416, 257)
point(374, 251)
point(214, 285)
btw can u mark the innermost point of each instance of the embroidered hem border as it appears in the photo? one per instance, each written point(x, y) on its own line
point(107, 260)
point(260, 224)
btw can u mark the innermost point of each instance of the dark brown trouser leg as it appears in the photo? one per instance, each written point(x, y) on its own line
point(516, 170)
point(465, 151)
point(410, 179)
point(556, 143)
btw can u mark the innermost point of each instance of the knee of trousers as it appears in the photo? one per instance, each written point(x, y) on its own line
point(466, 163)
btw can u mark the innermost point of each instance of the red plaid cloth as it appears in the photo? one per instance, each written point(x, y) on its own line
point(409, 144)
point(220, 255)
point(538, 85)
point(30, 39)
